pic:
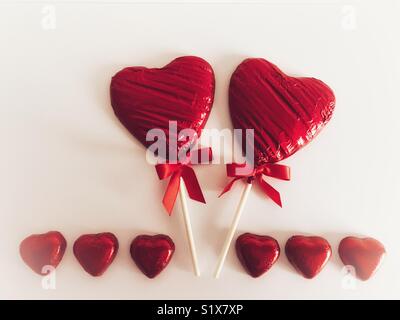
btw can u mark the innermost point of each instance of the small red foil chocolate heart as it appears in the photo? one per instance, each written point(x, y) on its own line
point(152, 253)
point(181, 91)
point(285, 112)
point(257, 253)
point(95, 252)
point(364, 254)
point(41, 250)
point(308, 255)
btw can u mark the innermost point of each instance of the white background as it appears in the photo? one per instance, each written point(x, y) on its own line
point(67, 164)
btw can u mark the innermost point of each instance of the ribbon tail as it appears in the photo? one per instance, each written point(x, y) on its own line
point(270, 191)
point(192, 185)
point(172, 192)
point(229, 186)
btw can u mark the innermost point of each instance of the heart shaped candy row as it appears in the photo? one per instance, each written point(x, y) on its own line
point(257, 253)
point(309, 254)
point(96, 252)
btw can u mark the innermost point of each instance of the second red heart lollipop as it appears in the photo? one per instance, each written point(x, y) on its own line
point(284, 113)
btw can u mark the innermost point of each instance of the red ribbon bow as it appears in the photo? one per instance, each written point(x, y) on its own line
point(277, 171)
point(182, 170)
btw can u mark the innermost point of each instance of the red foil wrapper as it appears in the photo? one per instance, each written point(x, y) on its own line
point(285, 112)
point(181, 91)
point(308, 255)
point(257, 253)
point(96, 252)
point(173, 98)
point(365, 255)
point(152, 253)
point(39, 251)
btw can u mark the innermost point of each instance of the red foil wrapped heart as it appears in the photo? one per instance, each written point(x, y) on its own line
point(41, 250)
point(308, 255)
point(257, 253)
point(95, 252)
point(152, 253)
point(181, 91)
point(364, 254)
point(285, 112)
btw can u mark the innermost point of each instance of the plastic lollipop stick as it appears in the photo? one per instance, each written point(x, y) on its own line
point(232, 229)
point(188, 226)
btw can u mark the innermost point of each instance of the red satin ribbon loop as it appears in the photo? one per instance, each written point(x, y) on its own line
point(176, 171)
point(278, 171)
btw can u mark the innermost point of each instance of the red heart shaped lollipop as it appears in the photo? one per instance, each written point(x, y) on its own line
point(364, 254)
point(257, 253)
point(176, 97)
point(308, 255)
point(285, 112)
point(95, 252)
point(181, 91)
point(41, 250)
point(152, 253)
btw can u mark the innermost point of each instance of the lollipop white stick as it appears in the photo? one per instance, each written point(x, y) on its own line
point(232, 230)
point(188, 226)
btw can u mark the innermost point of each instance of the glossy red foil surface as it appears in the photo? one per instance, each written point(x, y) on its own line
point(152, 253)
point(364, 254)
point(40, 250)
point(257, 253)
point(95, 252)
point(285, 112)
point(181, 91)
point(308, 255)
